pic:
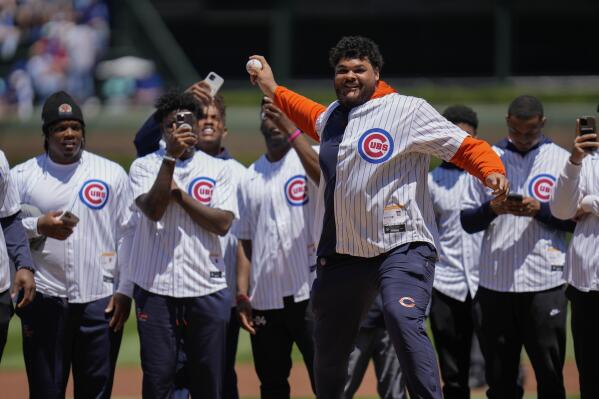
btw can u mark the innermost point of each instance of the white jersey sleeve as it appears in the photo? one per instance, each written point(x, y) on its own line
point(242, 228)
point(124, 228)
point(433, 134)
point(141, 179)
point(224, 192)
point(9, 195)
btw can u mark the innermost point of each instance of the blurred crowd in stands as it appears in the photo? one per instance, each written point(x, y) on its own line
point(50, 45)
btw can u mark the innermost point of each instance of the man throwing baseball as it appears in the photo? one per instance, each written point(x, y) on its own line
point(379, 229)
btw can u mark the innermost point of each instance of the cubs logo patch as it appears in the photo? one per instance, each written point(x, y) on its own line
point(296, 190)
point(375, 145)
point(94, 193)
point(540, 187)
point(201, 189)
point(65, 109)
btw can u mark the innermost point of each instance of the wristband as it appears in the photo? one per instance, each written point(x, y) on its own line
point(294, 135)
point(168, 158)
point(242, 298)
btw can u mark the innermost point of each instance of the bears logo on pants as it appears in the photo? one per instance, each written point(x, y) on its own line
point(541, 187)
point(296, 190)
point(201, 189)
point(94, 193)
point(375, 145)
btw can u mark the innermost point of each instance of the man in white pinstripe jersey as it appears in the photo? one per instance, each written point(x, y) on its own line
point(278, 207)
point(184, 200)
point(521, 291)
point(212, 132)
point(378, 229)
point(83, 295)
point(576, 194)
point(454, 313)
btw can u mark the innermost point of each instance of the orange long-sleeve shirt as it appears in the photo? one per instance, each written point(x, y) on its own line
point(474, 155)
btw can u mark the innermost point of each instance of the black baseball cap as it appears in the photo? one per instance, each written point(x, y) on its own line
point(60, 106)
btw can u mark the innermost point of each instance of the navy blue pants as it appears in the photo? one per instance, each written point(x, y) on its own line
point(343, 292)
point(197, 326)
point(58, 335)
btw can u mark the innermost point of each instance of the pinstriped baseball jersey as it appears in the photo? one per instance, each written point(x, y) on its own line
point(229, 242)
point(381, 199)
point(456, 271)
point(86, 265)
point(9, 205)
point(575, 186)
point(175, 256)
point(278, 213)
point(522, 254)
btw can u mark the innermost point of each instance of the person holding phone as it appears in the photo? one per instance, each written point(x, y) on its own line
point(521, 286)
point(83, 295)
point(212, 134)
point(184, 200)
point(576, 195)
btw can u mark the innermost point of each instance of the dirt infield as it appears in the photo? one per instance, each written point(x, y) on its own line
point(128, 382)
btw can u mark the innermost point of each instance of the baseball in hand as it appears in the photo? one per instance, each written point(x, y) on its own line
point(253, 66)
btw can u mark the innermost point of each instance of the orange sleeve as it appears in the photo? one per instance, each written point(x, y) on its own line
point(477, 158)
point(301, 110)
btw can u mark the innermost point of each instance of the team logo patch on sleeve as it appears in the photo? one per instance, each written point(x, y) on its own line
point(296, 190)
point(94, 193)
point(201, 189)
point(375, 145)
point(541, 186)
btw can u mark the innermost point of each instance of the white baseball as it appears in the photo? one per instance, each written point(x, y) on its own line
point(253, 65)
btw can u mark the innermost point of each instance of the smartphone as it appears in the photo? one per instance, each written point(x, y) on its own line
point(184, 118)
point(69, 217)
point(587, 125)
point(215, 82)
point(515, 197)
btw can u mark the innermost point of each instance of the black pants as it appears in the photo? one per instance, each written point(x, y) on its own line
point(453, 324)
point(585, 324)
point(276, 331)
point(535, 320)
point(6, 311)
point(58, 335)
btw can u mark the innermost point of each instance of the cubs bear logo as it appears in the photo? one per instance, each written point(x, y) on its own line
point(94, 193)
point(541, 186)
point(375, 145)
point(201, 189)
point(296, 190)
point(65, 109)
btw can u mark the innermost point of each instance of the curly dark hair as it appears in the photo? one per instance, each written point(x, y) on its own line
point(173, 100)
point(461, 114)
point(356, 47)
point(525, 107)
point(219, 102)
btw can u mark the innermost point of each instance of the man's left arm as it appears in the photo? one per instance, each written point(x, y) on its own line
point(218, 217)
point(147, 138)
point(436, 135)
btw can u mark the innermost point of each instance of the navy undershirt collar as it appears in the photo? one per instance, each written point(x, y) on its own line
point(505, 144)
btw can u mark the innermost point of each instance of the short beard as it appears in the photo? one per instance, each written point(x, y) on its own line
point(364, 97)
